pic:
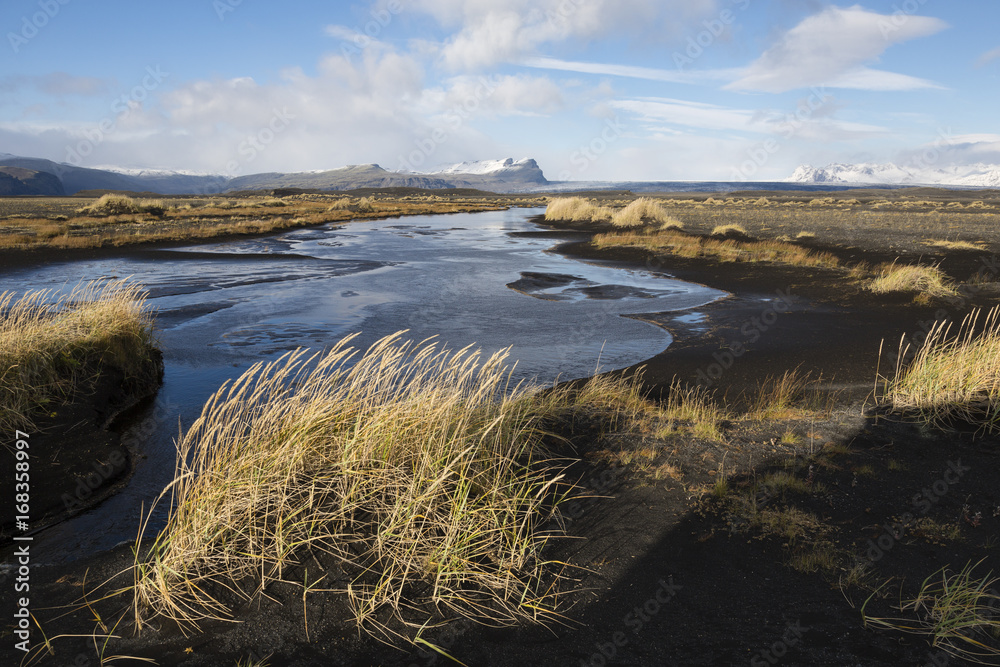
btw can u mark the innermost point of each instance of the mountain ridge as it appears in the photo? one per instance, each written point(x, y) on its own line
point(506, 175)
point(870, 173)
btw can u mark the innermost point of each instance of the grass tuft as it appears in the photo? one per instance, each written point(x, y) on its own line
point(952, 377)
point(52, 347)
point(956, 611)
point(645, 211)
point(694, 406)
point(420, 470)
point(729, 230)
point(112, 204)
point(576, 209)
point(927, 280)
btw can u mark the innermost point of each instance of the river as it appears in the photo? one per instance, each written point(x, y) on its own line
point(477, 278)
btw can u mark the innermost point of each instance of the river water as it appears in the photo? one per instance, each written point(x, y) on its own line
point(466, 278)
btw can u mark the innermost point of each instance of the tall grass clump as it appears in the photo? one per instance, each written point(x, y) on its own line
point(729, 230)
point(420, 471)
point(927, 280)
point(952, 377)
point(342, 204)
point(53, 346)
point(576, 209)
point(644, 211)
point(694, 406)
point(956, 611)
point(112, 204)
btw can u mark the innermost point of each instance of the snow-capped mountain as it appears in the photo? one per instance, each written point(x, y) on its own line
point(974, 175)
point(151, 173)
point(483, 167)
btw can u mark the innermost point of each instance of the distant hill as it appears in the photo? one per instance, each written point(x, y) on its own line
point(976, 175)
point(18, 181)
point(25, 175)
point(496, 176)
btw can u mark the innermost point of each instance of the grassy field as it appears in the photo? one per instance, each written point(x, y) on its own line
point(907, 218)
point(116, 220)
point(788, 228)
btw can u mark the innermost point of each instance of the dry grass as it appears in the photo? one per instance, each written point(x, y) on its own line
point(952, 377)
point(51, 347)
point(730, 250)
point(953, 245)
point(576, 209)
point(112, 204)
point(644, 211)
point(927, 280)
point(213, 218)
point(729, 229)
point(694, 407)
point(343, 204)
point(955, 610)
point(420, 470)
point(791, 395)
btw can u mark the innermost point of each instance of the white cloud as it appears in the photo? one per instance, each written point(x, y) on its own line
point(489, 96)
point(487, 32)
point(871, 79)
point(634, 72)
point(813, 120)
point(375, 107)
point(962, 149)
point(834, 46)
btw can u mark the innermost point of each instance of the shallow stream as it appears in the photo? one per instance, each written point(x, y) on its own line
point(466, 278)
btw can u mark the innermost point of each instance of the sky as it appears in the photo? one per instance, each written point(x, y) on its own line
point(724, 90)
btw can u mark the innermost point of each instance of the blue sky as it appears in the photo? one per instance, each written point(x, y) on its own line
point(593, 89)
